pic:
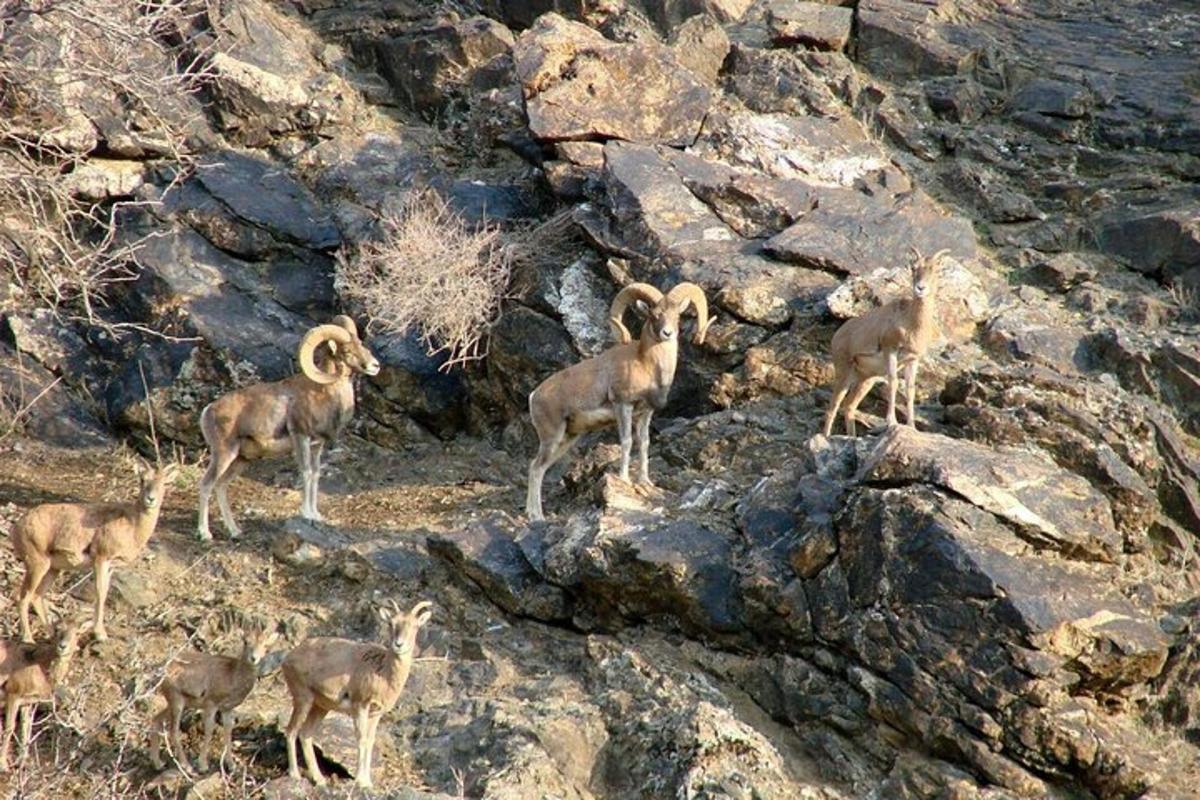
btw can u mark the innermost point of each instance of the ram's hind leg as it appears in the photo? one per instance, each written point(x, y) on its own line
point(223, 497)
point(221, 461)
point(550, 451)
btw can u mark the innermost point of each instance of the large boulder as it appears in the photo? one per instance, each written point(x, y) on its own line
point(651, 205)
point(430, 66)
point(36, 403)
point(250, 207)
point(821, 25)
point(627, 565)
point(824, 151)
point(1047, 506)
point(267, 81)
point(131, 105)
point(851, 232)
point(578, 85)
point(901, 39)
point(487, 554)
point(1164, 243)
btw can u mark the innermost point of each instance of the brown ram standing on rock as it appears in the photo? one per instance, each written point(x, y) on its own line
point(300, 414)
point(624, 385)
point(873, 347)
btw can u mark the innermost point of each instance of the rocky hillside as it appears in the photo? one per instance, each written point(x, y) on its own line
point(999, 605)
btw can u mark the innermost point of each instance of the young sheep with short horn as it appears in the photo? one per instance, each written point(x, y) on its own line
point(622, 386)
point(873, 347)
point(356, 678)
point(215, 684)
point(298, 415)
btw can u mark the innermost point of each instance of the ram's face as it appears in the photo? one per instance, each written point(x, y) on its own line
point(663, 320)
point(358, 357)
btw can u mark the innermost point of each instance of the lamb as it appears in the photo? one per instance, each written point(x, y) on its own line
point(212, 683)
point(624, 385)
point(58, 537)
point(300, 415)
point(873, 347)
point(355, 678)
point(28, 675)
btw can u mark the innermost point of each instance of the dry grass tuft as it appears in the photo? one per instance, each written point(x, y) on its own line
point(434, 272)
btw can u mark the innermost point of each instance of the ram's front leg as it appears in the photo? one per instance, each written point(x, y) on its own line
point(625, 432)
point(643, 436)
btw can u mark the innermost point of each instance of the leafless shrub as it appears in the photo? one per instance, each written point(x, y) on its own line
point(59, 243)
point(433, 272)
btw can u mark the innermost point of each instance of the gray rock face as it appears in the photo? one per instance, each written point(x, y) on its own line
point(901, 39)
point(849, 233)
point(488, 555)
point(251, 202)
point(578, 85)
point(429, 66)
point(55, 417)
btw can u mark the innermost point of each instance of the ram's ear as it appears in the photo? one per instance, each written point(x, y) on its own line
point(333, 346)
point(641, 307)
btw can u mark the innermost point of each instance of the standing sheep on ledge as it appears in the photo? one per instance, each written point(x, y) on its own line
point(625, 384)
point(355, 678)
point(873, 347)
point(300, 414)
point(68, 537)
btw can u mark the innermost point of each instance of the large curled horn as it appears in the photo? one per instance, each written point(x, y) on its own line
point(616, 313)
point(938, 255)
point(347, 323)
point(693, 294)
point(308, 347)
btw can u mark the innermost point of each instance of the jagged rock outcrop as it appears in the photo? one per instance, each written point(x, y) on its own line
point(1000, 605)
point(580, 86)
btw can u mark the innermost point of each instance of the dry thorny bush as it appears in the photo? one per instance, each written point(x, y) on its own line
point(432, 271)
point(58, 246)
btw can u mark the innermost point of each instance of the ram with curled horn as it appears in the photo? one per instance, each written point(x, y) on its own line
point(622, 386)
point(297, 415)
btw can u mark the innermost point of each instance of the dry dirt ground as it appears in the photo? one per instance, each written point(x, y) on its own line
point(183, 593)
